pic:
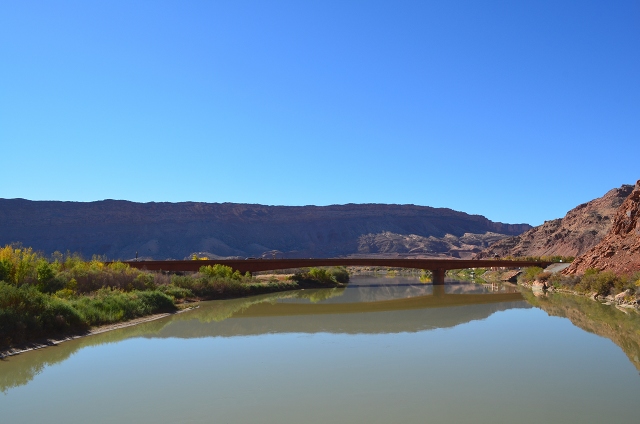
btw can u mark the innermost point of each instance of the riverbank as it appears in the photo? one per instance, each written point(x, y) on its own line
point(46, 300)
point(623, 300)
point(36, 320)
point(182, 305)
point(40, 344)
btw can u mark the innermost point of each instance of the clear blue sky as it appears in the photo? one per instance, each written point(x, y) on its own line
point(516, 110)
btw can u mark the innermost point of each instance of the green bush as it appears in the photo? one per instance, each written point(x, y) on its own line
point(529, 274)
point(176, 292)
point(6, 270)
point(324, 276)
point(600, 282)
point(44, 272)
point(109, 306)
point(321, 275)
point(51, 285)
point(144, 280)
point(212, 287)
point(562, 281)
point(220, 272)
point(339, 275)
point(26, 313)
point(543, 276)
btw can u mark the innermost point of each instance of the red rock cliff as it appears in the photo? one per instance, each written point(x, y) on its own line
point(581, 229)
point(619, 250)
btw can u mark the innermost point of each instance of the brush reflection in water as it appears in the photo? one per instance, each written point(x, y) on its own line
point(381, 350)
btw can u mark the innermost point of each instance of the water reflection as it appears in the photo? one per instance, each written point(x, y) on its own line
point(372, 288)
point(367, 306)
point(620, 326)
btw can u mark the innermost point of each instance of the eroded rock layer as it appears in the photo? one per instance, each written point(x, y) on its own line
point(619, 250)
point(581, 229)
point(119, 229)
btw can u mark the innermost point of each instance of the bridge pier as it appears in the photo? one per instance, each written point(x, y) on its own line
point(437, 276)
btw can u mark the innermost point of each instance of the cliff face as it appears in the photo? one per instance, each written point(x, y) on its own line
point(619, 250)
point(581, 229)
point(119, 229)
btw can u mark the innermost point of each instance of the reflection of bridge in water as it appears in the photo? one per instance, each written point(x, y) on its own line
point(438, 267)
point(438, 299)
point(271, 314)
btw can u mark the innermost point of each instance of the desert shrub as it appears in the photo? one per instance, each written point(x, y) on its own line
point(144, 281)
point(6, 270)
point(94, 275)
point(161, 279)
point(559, 280)
point(529, 274)
point(44, 271)
point(339, 274)
point(543, 276)
point(325, 276)
point(211, 287)
point(182, 281)
point(108, 305)
point(320, 274)
point(271, 286)
point(65, 294)
point(26, 313)
point(220, 272)
point(51, 285)
point(221, 288)
point(175, 292)
point(21, 263)
point(600, 282)
point(625, 282)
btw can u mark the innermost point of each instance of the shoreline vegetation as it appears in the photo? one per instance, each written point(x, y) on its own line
point(64, 296)
point(47, 300)
point(620, 290)
point(603, 286)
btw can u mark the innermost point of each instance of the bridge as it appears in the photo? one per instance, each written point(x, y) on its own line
point(438, 267)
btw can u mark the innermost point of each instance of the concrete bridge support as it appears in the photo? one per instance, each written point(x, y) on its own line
point(438, 276)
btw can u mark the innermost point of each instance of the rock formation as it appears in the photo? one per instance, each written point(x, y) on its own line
point(119, 229)
point(619, 250)
point(581, 229)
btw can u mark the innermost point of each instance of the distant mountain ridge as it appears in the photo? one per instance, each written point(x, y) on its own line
point(118, 229)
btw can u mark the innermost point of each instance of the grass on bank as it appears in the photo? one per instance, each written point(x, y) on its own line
point(44, 297)
point(603, 283)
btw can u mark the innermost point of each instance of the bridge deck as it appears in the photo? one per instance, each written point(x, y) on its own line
point(436, 266)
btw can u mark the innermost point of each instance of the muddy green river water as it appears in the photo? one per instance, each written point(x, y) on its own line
point(383, 350)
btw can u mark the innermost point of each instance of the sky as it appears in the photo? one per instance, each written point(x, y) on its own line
point(515, 110)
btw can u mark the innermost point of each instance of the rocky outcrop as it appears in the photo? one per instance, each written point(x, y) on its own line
point(619, 250)
point(463, 247)
point(119, 229)
point(581, 229)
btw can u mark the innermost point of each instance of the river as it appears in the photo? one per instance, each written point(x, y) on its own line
point(383, 350)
